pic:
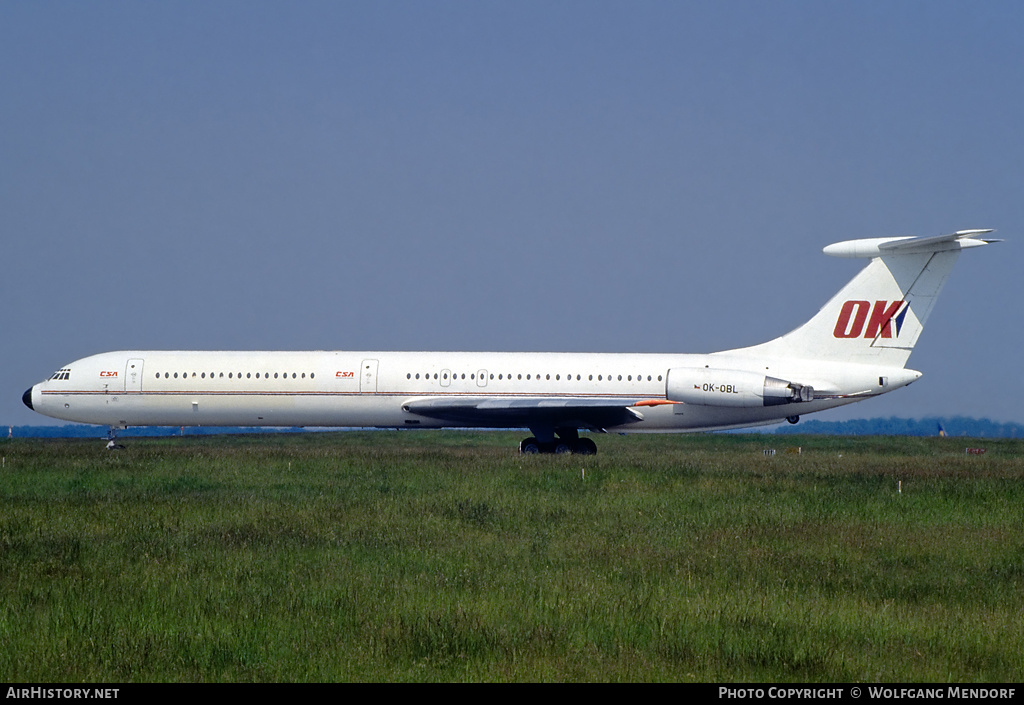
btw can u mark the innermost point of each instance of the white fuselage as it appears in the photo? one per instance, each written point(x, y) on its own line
point(855, 347)
point(374, 389)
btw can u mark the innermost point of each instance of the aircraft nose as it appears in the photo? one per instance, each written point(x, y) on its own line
point(27, 398)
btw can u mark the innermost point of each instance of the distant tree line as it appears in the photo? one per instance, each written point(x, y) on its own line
point(86, 431)
point(893, 426)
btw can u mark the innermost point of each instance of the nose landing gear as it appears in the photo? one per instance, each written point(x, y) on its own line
point(112, 443)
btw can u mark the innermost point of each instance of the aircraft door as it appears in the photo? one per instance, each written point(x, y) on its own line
point(133, 375)
point(368, 376)
point(481, 378)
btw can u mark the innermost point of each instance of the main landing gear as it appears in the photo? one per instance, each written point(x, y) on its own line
point(583, 446)
point(568, 441)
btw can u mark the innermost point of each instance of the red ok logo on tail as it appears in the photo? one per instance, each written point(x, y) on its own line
point(883, 319)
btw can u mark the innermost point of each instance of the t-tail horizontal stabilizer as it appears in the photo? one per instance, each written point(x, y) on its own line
point(885, 246)
point(878, 316)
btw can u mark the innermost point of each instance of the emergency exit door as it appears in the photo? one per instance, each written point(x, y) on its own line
point(133, 376)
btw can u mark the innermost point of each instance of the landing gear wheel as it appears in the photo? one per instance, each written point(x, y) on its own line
point(792, 419)
point(585, 446)
point(529, 446)
point(563, 447)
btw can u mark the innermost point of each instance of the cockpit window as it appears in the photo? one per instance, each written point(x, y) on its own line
point(63, 373)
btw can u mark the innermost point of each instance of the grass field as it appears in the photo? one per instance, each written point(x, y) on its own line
point(438, 556)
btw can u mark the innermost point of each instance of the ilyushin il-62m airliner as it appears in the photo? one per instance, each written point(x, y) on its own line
point(854, 348)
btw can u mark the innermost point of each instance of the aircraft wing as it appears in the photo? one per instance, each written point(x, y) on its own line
point(525, 412)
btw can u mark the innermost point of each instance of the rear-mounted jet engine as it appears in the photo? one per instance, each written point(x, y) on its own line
point(708, 386)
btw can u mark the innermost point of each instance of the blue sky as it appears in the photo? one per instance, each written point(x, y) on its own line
point(598, 176)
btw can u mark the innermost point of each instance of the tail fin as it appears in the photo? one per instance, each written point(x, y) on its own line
point(879, 315)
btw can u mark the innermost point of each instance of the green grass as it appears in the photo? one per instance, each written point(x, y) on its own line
point(438, 556)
